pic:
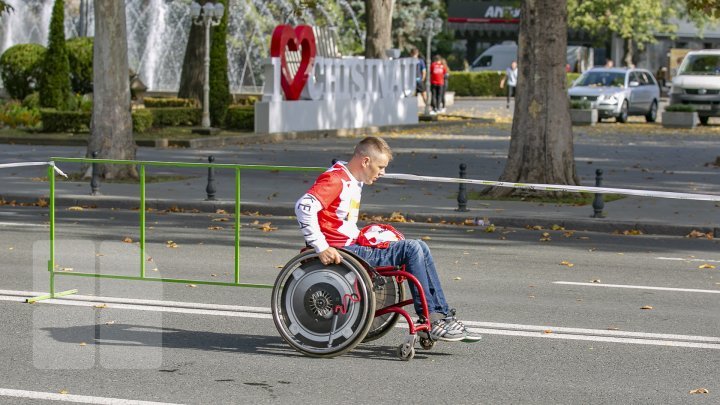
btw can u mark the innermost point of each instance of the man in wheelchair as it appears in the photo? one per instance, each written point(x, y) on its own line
point(328, 215)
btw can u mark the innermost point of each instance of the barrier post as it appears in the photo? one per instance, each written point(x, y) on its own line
point(598, 203)
point(462, 193)
point(237, 225)
point(142, 220)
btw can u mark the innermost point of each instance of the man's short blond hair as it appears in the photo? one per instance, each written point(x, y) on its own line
point(373, 147)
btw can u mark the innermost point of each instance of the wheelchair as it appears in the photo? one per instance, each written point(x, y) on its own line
point(326, 310)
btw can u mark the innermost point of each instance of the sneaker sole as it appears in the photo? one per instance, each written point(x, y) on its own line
point(469, 339)
point(451, 339)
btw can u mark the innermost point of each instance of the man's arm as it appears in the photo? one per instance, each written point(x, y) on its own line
point(306, 210)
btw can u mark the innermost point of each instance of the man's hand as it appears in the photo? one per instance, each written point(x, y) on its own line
point(329, 256)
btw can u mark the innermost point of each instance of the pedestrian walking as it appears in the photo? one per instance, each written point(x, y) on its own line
point(420, 75)
point(511, 74)
point(445, 86)
point(437, 82)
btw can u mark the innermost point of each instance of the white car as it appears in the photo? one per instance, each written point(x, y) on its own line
point(618, 92)
point(697, 83)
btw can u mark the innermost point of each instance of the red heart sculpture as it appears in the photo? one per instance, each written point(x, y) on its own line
point(301, 37)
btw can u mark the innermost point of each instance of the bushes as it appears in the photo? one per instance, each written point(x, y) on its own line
point(680, 108)
point(169, 102)
point(80, 57)
point(484, 84)
point(219, 82)
point(79, 121)
point(176, 116)
point(14, 114)
point(142, 120)
point(20, 69)
point(580, 105)
point(240, 118)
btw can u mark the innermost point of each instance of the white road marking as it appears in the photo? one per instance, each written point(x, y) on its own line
point(4, 392)
point(684, 259)
point(24, 224)
point(638, 287)
point(489, 328)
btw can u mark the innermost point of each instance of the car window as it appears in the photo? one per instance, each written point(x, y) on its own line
point(635, 77)
point(649, 79)
point(484, 61)
point(601, 79)
point(700, 65)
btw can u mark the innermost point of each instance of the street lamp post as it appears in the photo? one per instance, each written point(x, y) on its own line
point(208, 15)
point(430, 27)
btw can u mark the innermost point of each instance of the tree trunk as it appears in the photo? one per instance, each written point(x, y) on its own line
point(541, 142)
point(379, 28)
point(629, 53)
point(111, 127)
point(191, 78)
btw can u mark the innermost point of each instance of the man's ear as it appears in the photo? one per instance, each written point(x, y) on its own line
point(366, 161)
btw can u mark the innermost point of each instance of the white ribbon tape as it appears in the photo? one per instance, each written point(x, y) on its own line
point(51, 163)
point(556, 187)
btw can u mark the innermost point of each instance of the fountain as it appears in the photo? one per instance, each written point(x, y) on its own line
point(158, 31)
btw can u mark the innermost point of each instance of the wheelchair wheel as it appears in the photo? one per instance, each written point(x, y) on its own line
point(390, 293)
point(323, 311)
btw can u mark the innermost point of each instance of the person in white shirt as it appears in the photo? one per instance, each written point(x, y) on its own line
point(510, 78)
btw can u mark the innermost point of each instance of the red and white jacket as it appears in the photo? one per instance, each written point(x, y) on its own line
point(328, 212)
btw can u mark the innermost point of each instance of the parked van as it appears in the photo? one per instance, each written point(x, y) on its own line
point(497, 57)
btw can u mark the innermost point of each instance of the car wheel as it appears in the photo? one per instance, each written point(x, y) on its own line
point(651, 116)
point(623, 117)
point(704, 120)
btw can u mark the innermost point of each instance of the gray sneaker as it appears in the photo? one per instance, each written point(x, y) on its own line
point(455, 324)
point(444, 329)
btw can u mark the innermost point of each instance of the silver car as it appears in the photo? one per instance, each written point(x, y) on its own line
point(618, 92)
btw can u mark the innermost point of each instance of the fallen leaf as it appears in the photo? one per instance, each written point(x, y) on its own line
point(545, 237)
point(397, 217)
point(110, 323)
point(568, 234)
point(536, 228)
point(706, 266)
point(220, 219)
point(457, 278)
point(267, 227)
point(557, 228)
point(192, 285)
point(547, 331)
point(632, 232)
point(75, 208)
point(215, 228)
point(646, 307)
point(490, 228)
point(99, 255)
point(127, 240)
point(596, 281)
point(100, 305)
point(213, 275)
point(566, 263)
point(426, 238)
point(12, 248)
point(583, 237)
point(66, 269)
point(698, 234)
point(64, 392)
point(279, 267)
point(171, 245)
point(155, 269)
point(220, 211)
point(613, 328)
point(699, 391)
point(83, 344)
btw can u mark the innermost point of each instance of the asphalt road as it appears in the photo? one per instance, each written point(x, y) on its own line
point(546, 340)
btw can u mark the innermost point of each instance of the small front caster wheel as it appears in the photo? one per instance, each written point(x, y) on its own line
point(405, 352)
point(426, 343)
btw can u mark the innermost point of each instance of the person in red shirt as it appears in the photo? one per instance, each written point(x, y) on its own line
point(328, 215)
point(437, 82)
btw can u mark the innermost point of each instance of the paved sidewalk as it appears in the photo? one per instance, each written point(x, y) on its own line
point(665, 163)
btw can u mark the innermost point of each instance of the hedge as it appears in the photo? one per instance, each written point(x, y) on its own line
point(240, 118)
point(20, 69)
point(484, 84)
point(79, 121)
point(175, 116)
point(168, 102)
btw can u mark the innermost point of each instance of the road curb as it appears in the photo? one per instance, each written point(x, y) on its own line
point(250, 138)
point(603, 225)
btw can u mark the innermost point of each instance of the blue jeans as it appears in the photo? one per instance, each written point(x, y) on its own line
point(415, 255)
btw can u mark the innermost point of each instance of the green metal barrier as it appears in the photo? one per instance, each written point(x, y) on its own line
point(141, 171)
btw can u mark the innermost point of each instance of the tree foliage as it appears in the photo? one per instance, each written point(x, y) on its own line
point(219, 82)
point(55, 79)
point(5, 8)
point(636, 21)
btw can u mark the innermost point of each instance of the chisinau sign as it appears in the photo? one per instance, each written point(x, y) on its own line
point(331, 93)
